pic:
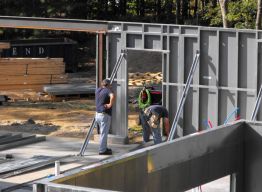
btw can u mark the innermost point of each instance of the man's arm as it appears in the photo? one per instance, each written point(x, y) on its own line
point(167, 126)
point(111, 102)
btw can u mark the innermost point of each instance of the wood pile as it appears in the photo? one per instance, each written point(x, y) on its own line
point(31, 73)
point(137, 79)
point(4, 45)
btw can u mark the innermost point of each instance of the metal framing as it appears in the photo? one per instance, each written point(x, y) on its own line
point(53, 24)
point(227, 76)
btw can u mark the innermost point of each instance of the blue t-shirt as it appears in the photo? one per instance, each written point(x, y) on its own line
point(160, 110)
point(102, 98)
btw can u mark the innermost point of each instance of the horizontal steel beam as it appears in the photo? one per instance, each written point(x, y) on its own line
point(211, 87)
point(66, 188)
point(148, 50)
point(53, 24)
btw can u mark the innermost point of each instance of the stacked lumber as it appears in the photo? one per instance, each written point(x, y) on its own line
point(31, 73)
point(138, 79)
point(4, 45)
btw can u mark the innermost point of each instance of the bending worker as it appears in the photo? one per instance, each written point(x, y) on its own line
point(144, 101)
point(104, 101)
point(151, 122)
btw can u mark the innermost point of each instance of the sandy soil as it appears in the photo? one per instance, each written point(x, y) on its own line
point(62, 118)
point(40, 114)
point(69, 118)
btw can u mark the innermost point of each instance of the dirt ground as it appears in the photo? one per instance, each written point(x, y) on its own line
point(66, 118)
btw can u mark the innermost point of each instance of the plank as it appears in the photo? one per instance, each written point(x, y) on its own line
point(31, 73)
point(32, 79)
point(11, 138)
point(30, 60)
point(38, 88)
point(69, 89)
point(25, 141)
point(4, 45)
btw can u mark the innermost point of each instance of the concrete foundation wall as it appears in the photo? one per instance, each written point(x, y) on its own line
point(253, 158)
point(182, 164)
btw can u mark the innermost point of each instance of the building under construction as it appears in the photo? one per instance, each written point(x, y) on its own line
point(211, 77)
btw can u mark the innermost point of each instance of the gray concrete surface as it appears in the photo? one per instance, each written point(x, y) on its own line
point(178, 165)
point(58, 146)
point(220, 185)
point(54, 147)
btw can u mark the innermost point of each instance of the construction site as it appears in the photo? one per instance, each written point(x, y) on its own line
point(209, 80)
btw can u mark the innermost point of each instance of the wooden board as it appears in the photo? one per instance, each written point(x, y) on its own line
point(32, 79)
point(4, 45)
point(37, 88)
point(20, 66)
point(31, 73)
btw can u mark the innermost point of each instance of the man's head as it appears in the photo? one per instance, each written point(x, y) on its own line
point(105, 83)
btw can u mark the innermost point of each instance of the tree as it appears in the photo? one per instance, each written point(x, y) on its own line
point(223, 6)
point(259, 12)
point(178, 14)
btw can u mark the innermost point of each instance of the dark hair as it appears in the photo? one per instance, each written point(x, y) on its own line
point(105, 82)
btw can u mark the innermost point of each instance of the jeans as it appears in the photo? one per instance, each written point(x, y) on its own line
point(103, 120)
point(156, 132)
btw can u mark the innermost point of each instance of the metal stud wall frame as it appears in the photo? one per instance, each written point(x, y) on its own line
point(227, 77)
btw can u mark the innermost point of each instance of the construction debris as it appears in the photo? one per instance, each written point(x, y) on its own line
point(11, 140)
point(17, 167)
point(3, 98)
point(69, 89)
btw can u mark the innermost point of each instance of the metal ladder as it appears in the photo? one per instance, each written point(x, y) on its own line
point(257, 105)
point(112, 77)
point(183, 98)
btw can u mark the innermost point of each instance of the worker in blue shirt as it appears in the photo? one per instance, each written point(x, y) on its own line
point(151, 122)
point(104, 102)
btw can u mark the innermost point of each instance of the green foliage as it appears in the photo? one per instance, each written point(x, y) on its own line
point(212, 16)
point(242, 14)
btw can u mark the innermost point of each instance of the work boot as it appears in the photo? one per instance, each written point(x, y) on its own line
point(106, 152)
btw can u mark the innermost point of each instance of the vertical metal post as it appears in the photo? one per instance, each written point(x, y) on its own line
point(100, 58)
point(57, 168)
point(38, 187)
point(233, 182)
point(97, 63)
point(183, 98)
point(257, 105)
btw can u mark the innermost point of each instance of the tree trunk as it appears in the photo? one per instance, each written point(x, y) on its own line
point(142, 8)
point(195, 8)
point(258, 19)
point(122, 7)
point(178, 15)
point(184, 10)
point(223, 7)
point(169, 8)
point(158, 10)
point(113, 7)
point(137, 7)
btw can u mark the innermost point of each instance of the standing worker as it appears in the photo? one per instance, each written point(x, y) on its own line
point(104, 101)
point(151, 118)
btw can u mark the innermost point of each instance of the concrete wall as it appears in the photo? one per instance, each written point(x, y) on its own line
point(253, 158)
point(179, 165)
